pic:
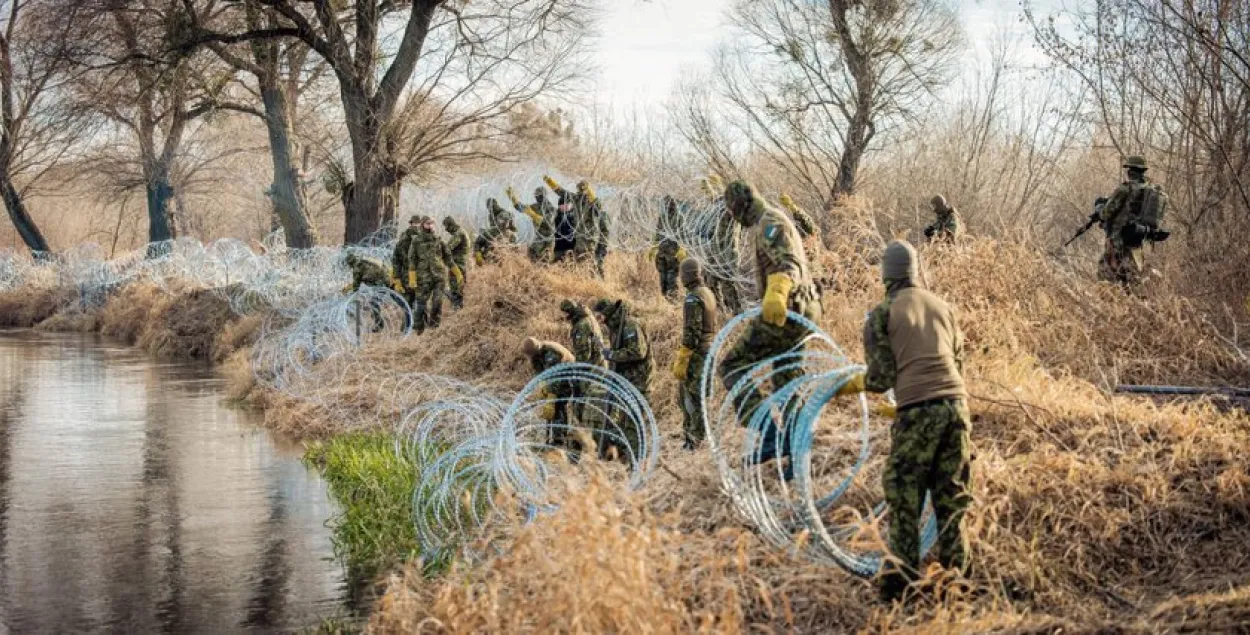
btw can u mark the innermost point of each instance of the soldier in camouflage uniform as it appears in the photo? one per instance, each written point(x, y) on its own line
point(629, 356)
point(543, 214)
point(590, 237)
point(429, 263)
point(587, 337)
point(724, 240)
point(1130, 218)
point(698, 331)
point(784, 277)
point(667, 253)
point(458, 244)
point(371, 273)
point(558, 396)
point(802, 220)
point(399, 259)
point(915, 347)
point(947, 226)
point(501, 232)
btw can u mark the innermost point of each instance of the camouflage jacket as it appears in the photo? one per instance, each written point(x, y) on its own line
point(779, 249)
point(371, 272)
point(946, 227)
point(491, 238)
point(550, 355)
point(588, 341)
point(631, 350)
point(1124, 207)
point(588, 220)
point(698, 320)
point(399, 256)
point(429, 257)
point(803, 222)
point(545, 229)
point(458, 244)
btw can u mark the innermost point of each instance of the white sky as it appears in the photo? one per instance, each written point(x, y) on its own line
point(645, 46)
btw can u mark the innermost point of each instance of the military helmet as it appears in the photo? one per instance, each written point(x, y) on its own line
point(691, 273)
point(1136, 162)
point(415, 219)
point(530, 346)
point(604, 306)
point(738, 198)
point(450, 223)
point(540, 193)
point(351, 259)
point(938, 202)
point(568, 306)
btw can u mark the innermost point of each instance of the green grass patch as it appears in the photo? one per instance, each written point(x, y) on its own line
point(374, 485)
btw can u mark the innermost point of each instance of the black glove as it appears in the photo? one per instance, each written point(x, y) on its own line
point(929, 231)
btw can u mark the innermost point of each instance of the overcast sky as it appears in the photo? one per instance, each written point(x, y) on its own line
point(645, 46)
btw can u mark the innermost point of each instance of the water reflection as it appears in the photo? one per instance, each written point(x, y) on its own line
point(133, 500)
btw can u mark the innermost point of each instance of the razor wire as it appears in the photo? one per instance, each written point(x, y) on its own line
point(789, 417)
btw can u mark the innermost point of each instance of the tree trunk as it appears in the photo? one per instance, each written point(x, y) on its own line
point(159, 193)
point(373, 201)
point(287, 194)
point(25, 225)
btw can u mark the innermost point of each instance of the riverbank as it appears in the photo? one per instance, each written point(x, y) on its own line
point(1090, 509)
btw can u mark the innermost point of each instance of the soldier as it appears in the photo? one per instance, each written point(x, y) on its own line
point(802, 220)
point(458, 244)
point(429, 263)
point(947, 226)
point(558, 396)
point(667, 253)
point(720, 275)
point(915, 347)
point(371, 273)
point(698, 330)
point(601, 248)
point(543, 214)
point(565, 228)
point(784, 277)
point(587, 337)
point(502, 231)
point(399, 259)
point(629, 356)
point(1132, 216)
point(588, 219)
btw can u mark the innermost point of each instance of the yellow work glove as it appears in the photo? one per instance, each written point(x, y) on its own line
point(681, 363)
point(348, 289)
point(885, 409)
point(681, 254)
point(551, 183)
point(547, 411)
point(396, 284)
point(775, 296)
point(652, 253)
point(716, 183)
point(457, 275)
point(477, 258)
point(412, 280)
point(534, 216)
point(852, 387)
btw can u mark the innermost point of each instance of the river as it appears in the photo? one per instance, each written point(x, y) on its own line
point(133, 499)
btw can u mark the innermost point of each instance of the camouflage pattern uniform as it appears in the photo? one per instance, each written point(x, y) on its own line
point(543, 214)
point(1122, 219)
point(369, 272)
point(588, 219)
point(630, 357)
point(929, 452)
point(502, 230)
point(947, 226)
point(588, 342)
point(399, 257)
point(565, 228)
point(601, 248)
point(430, 260)
point(667, 254)
point(548, 355)
point(778, 250)
point(698, 331)
point(458, 245)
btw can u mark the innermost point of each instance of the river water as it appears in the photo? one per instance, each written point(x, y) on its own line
point(132, 499)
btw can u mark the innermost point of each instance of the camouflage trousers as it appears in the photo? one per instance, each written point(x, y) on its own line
point(542, 251)
point(1121, 264)
point(614, 433)
point(455, 289)
point(690, 398)
point(667, 265)
point(761, 341)
point(427, 304)
point(929, 452)
point(726, 294)
point(601, 257)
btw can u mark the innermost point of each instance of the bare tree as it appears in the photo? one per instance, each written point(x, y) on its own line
point(476, 61)
point(37, 126)
point(815, 86)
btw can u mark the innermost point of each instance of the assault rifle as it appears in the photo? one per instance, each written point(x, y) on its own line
point(1094, 219)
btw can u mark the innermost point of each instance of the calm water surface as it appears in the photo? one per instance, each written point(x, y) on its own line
point(132, 499)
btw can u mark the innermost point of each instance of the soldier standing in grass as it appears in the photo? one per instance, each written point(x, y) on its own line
point(556, 396)
point(543, 214)
point(946, 227)
point(502, 231)
point(590, 224)
point(784, 276)
point(458, 244)
point(588, 343)
point(915, 347)
point(629, 355)
point(429, 264)
point(399, 259)
point(1131, 217)
point(698, 330)
point(667, 254)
